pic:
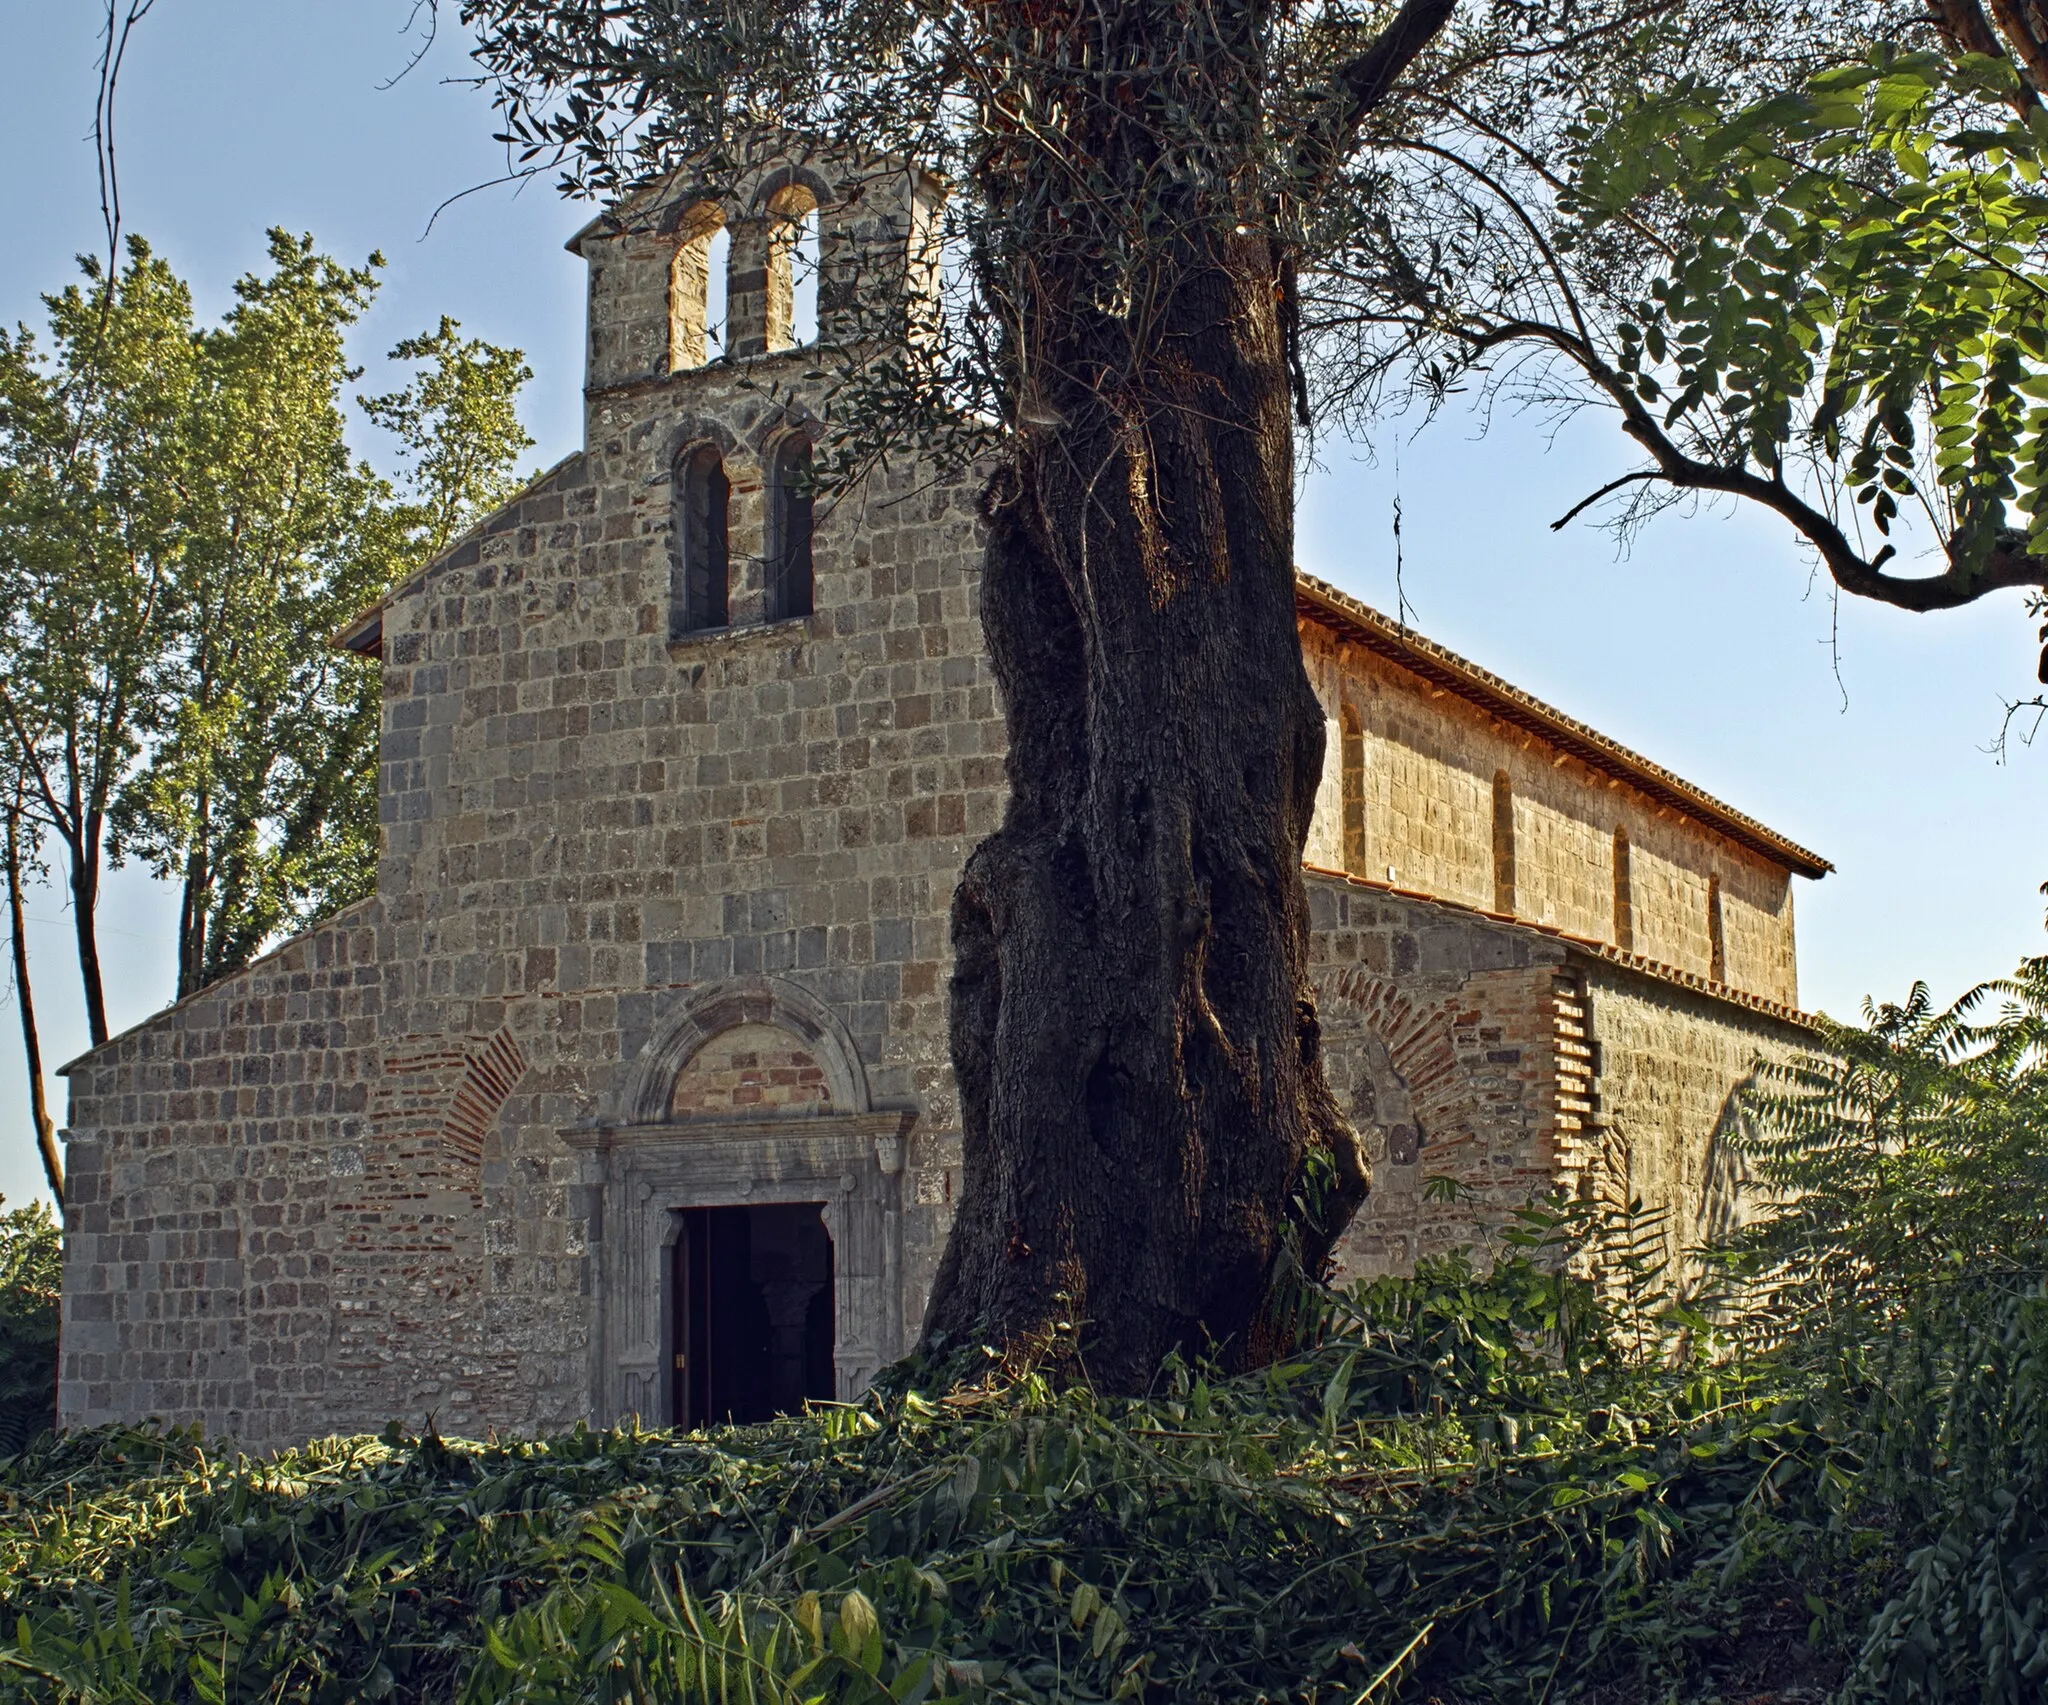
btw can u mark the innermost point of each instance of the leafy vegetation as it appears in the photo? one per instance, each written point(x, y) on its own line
point(1797, 253)
point(183, 527)
point(31, 1273)
point(1851, 315)
point(1564, 1476)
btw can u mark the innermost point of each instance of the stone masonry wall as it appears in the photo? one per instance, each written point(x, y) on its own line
point(1429, 764)
point(204, 1148)
point(585, 821)
point(1439, 1033)
point(1671, 1060)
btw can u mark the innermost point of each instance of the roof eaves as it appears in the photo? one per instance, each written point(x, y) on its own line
point(1320, 601)
point(1636, 962)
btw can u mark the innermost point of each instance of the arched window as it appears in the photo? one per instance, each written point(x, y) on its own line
point(698, 562)
point(789, 530)
point(1717, 941)
point(696, 289)
point(792, 307)
point(1624, 895)
point(1351, 742)
point(1503, 843)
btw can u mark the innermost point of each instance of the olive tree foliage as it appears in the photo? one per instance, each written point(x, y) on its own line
point(1795, 253)
point(1257, 117)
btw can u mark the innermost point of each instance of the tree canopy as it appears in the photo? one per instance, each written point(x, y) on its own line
point(183, 528)
point(1801, 264)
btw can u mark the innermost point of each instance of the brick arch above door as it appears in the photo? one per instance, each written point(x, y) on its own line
point(703, 1015)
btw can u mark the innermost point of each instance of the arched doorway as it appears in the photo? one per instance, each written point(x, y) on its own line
point(749, 1157)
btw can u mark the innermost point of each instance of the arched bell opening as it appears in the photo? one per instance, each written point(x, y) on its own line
point(793, 264)
point(697, 288)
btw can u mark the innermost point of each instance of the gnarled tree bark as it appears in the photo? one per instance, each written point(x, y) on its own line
point(1133, 1029)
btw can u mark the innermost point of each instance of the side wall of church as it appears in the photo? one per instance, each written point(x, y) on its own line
point(1440, 1041)
point(206, 1150)
point(1430, 761)
point(1672, 1062)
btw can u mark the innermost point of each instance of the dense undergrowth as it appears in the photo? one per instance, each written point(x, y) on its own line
point(31, 1272)
point(1820, 1471)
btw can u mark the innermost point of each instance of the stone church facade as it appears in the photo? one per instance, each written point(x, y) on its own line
point(644, 1028)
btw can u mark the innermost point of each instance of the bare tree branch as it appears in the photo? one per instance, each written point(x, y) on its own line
point(1365, 81)
point(113, 52)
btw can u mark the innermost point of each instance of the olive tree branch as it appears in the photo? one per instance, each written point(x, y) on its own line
point(1363, 82)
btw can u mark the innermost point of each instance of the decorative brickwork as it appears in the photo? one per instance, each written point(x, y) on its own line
point(751, 1070)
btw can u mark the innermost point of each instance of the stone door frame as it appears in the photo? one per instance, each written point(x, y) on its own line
point(644, 1167)
point(852, 1164)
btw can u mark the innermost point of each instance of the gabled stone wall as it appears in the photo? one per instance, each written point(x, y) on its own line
point(205, 1151)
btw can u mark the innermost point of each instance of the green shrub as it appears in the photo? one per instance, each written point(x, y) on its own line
point(1900, 1275)
point(1505, 1482)
point(31, 1273)
point(1474, 1482)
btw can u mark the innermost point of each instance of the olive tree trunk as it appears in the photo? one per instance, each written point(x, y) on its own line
point(1133, 1030)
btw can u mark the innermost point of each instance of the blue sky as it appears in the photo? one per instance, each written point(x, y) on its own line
point(1860, 732)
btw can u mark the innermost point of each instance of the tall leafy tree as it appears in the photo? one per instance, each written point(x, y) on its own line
point(258, 795)
point(92, 447)
point(183, 526)
point(272, 517)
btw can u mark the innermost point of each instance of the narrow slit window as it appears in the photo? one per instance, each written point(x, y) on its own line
point(1503, 843)
point(1351, 741)
point(696, 290)
point(1717, 940)
point(1624, 895)
point(700, 569)
point(791, 523)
